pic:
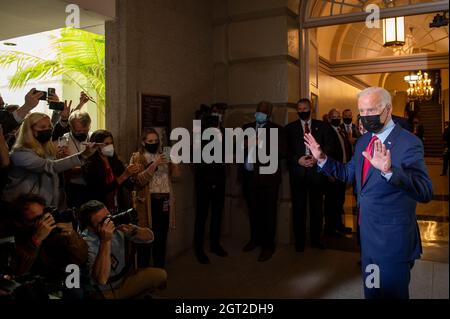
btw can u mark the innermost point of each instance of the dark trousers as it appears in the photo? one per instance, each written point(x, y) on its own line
point(394, 278)
point(262, 202)
point(209, 194)
point(445, 158)
point(76, 195)
point(304, 189)
point(160, 228)
point(334, 205)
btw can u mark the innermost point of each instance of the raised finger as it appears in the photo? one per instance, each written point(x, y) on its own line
point(383, 149)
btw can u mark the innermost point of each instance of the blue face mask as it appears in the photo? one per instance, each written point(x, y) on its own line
point(260, 117)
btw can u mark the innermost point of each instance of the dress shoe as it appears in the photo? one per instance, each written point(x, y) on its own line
point(249, 246)
point(219, 251)
point(265, 255)
point(344, 230)
point(202, 257)
point(318, 245)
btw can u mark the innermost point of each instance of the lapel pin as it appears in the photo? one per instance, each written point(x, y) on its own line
point(389, 142)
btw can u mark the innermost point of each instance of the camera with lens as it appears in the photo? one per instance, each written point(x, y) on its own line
point(62, 216)
point(124, 218)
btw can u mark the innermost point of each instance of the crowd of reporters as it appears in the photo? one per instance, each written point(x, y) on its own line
point(63, 188)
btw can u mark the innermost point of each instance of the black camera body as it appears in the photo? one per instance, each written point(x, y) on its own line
point(64, 216)
point(124, 218)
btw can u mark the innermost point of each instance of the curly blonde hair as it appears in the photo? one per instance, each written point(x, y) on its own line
point(26, 139)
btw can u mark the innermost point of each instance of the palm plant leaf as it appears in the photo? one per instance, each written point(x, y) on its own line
point(79, 58)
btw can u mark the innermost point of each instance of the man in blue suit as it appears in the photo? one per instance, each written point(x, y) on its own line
point(391, 177)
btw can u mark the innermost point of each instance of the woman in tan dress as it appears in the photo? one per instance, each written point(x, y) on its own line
point(154, 200)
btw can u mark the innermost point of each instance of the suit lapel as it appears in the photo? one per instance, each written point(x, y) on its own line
point(389, 142)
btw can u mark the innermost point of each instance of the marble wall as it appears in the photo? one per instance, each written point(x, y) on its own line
point(160, 47)
point(256, 57)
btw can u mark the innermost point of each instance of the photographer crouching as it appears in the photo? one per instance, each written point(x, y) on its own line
point(45, 243)
point(110, 258)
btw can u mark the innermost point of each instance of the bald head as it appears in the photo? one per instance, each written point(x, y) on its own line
point(334, 117)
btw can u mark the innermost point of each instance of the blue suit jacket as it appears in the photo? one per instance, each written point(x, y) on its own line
point(388, 225)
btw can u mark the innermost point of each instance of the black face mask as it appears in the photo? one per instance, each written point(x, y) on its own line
point(304, 116)
point(80, 137)
point(151, 148)
point(372, 123)
point(335, 122)
point(44, 136)
point(348, 120)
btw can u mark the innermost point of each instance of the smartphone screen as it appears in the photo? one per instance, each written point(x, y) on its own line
point(58, 106)
point(51, 91)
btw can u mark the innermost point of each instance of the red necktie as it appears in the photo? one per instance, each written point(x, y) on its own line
point(366, 163)
point(307, 128)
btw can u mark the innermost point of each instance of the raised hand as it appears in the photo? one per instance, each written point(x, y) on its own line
point(65, 113)
point(44, 227)
point(314, 147)
point(106, 230)
point(84, 98)
point(90, 149)
point(32, 98)
point(381, 158)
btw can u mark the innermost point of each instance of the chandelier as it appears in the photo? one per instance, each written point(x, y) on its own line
point(419, 86)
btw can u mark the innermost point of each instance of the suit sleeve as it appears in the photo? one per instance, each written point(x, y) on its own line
point(329, 140)
point(291, 157)
point(34, 163)
point(412, 175)
point(338, 170)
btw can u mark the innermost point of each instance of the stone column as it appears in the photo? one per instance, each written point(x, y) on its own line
point(256, 57)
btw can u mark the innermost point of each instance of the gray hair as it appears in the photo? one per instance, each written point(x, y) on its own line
point(83, 117)
point(384, 97)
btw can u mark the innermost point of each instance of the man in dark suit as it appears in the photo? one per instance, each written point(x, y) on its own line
point(403, 122)
point(305, 181)
point(261, 190)
point(335, 189)
point(391, 177)
point(349, 128)
point(210, 190)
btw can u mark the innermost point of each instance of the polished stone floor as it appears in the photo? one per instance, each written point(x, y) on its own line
point(331, 273)
point(314, 274)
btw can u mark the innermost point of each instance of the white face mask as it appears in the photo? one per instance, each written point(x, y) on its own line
point(108, 150)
